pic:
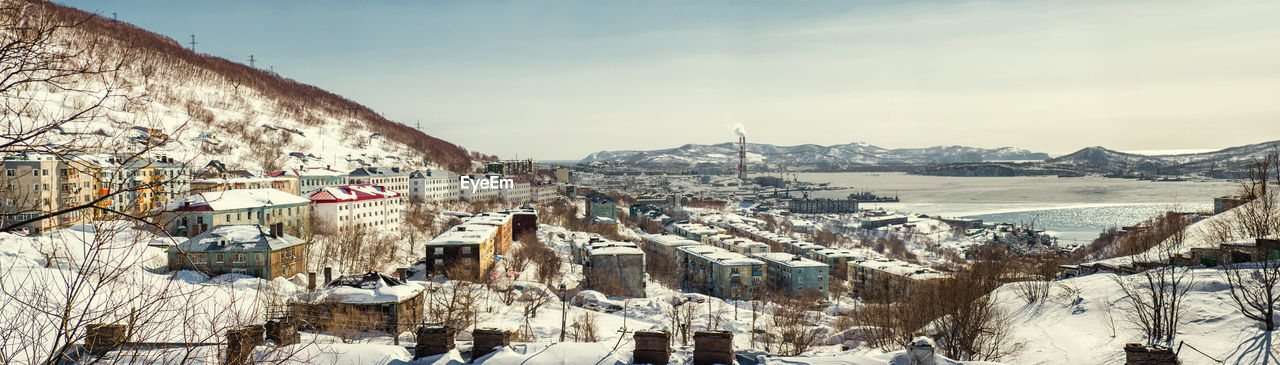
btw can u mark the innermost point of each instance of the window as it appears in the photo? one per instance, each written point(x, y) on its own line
point(465, 250)
point(218, 258)
point(439, 250)
point(238, 258)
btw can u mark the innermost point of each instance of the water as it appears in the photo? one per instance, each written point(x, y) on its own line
point(1075, 209)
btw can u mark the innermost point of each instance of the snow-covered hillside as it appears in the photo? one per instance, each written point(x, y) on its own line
point(1074, 324)
point(214, 109)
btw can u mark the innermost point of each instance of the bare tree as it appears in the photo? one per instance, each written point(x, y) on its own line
point(1255, 286)
point(791, 327)
point(1155, 297)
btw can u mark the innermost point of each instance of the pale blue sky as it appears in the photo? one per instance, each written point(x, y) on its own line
point(561, 79)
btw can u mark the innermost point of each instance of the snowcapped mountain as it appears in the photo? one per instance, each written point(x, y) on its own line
point(210, 108)
point(1101, 159)
point(811, 155)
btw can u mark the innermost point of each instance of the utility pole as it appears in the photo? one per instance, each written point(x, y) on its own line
point(564, 312)
point(251, 60)
point(193, 43)
point(113, 17)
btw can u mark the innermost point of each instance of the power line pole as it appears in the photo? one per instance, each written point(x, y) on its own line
point(251, 60)
point(193, 43)
point(113, 17)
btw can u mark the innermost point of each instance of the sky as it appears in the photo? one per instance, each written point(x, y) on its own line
point(557, 80)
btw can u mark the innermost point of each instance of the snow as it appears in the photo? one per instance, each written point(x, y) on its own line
point(380, 293)
point(237, 199)
point(1069, 329)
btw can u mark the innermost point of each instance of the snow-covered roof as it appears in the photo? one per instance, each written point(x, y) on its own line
point(900, 268)
point(669, 240)
point(370, 288)
point(235, 199)
point(308, 171)
point(464, 234)
point(719, 255)
point(243, 237)
point(350, 193)
point(788, 260)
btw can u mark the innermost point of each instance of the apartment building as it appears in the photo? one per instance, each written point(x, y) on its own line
point(735, 244)
point(795, 273)
point(195, 214)
point(34, 185)
point(312, 178)
point(467, 245)
point(884, 278)
point(369, 207)
point(718, 272)
point(391, 177)
point(281, 183)
point(433, 186)
point(612, 267)
point(249, 249)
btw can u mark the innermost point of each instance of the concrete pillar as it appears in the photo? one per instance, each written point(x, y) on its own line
point(433, 339)
point(402, 274)
point(652, 347)
point(712, 347)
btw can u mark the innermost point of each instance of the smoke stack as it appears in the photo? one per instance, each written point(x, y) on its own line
point(742, 158)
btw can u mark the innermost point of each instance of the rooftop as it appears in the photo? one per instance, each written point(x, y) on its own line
point(788, 260)
point(244, 237)
point(235, 199)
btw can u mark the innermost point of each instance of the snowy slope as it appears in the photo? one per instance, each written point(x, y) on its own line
point(218, 109)
point(1066, 329)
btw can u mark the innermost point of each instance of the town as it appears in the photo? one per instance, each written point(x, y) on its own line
point(167, 204)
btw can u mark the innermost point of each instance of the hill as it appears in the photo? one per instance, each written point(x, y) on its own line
point(214, 108)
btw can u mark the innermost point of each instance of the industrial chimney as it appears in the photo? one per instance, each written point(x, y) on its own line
point(742, 158)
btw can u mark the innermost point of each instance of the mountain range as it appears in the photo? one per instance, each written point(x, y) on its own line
point(940, 160)
point(810, 156)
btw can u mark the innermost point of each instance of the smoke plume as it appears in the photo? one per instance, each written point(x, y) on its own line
point(740, 130)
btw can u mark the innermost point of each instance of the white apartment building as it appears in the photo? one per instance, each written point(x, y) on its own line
point(366, 206)
point(433, 186)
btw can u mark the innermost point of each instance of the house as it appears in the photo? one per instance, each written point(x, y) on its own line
point(190, 216)
point(795, 273)
point(38, 184)
point(391, 177)
point(467, 246)
point(719, 273)
point(250, 249)
point(600, 205)
point(371, 207)
point(430, 186)
point(312, 178)
point(364, 302)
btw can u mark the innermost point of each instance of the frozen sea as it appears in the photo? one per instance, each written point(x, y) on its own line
point(1075, 209)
